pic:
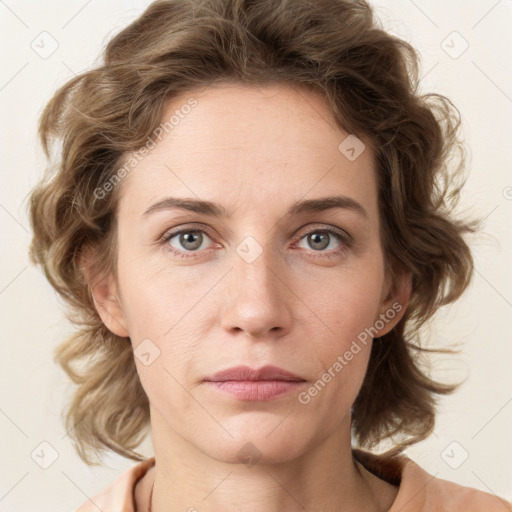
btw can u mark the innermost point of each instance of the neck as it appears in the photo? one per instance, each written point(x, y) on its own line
point(325, 477)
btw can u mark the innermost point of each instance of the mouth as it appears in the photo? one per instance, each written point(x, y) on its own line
point(245, 373)
point(250, 384)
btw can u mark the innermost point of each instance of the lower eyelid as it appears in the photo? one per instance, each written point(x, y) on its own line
point(344, 238)
point(166, 238)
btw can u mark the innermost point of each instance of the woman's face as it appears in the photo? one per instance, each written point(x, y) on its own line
point(262, 281)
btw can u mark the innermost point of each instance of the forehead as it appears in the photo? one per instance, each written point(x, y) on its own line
point(244, 145)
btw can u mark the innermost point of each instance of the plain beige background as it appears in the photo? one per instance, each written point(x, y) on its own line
point(465, 48)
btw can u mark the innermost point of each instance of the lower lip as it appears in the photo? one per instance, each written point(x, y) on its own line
point(257, 390)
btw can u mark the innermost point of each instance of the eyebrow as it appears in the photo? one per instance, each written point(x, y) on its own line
point(297, 208)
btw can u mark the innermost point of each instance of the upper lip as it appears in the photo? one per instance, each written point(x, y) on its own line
point(243, 373)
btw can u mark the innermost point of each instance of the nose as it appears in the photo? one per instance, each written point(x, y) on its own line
point(258, 298)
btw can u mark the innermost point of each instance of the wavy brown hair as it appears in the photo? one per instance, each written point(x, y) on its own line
point(370, 78)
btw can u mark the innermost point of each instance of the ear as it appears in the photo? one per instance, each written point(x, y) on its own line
point(396, 295)
point(106, 300)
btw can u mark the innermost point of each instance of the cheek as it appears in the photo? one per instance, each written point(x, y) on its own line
point(155, 299)
point(166, 318)
point(341, 355)
point(166, 358)
point(347, 301)
point(346, 308)
point(167, 390)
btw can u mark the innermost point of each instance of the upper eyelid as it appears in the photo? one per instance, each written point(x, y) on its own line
point(172, 232)
point(207, 229)
point(179, 229)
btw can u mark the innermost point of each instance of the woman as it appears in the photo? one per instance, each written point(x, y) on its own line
point(249, 224)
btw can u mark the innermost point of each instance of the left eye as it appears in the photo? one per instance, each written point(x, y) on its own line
point(191, 240)
point(320, 239)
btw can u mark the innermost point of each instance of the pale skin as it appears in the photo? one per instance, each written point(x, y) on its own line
point(255, 151)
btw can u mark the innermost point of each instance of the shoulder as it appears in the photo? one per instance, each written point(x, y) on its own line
point(119, 496)
point(419, 491)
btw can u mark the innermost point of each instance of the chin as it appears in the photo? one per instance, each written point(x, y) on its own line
point(253, 445)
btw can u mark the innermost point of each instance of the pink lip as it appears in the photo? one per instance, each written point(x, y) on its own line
point(245, 373)
point(255, 384)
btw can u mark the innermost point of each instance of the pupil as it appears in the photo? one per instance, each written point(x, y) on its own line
point(190, 238)
point(317, 238)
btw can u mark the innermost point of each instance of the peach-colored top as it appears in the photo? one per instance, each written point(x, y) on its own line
point(418, 491)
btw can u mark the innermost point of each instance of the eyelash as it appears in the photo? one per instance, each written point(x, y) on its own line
point(343, 237)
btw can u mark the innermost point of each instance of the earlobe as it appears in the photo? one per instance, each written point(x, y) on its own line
point(104, 295)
